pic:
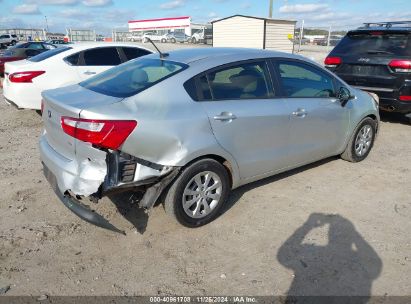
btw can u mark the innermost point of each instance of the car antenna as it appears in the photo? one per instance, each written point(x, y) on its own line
point(162, 55)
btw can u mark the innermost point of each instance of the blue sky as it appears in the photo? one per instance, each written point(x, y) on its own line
point(103, 15)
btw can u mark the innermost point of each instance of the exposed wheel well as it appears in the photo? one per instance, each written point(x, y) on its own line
point(374, 118)
point(220, 159)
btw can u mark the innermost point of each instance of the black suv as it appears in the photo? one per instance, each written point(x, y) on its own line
point(377, 58)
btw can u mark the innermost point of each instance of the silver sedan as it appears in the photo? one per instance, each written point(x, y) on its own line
point(192, 125)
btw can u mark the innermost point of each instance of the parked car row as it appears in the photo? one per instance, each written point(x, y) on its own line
point(199, 36)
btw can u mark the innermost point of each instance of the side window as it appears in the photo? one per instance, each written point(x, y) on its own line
point(35, 46)
point(243, 81)
point(102, 56)
point(31, 53)
point(73, 59)
point(132, 53)
point(302, 80)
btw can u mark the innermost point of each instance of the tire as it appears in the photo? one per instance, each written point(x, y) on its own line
point(173, 40)
point(196, 214)
point(193, 40)
point(163, 40)
point(361, 142)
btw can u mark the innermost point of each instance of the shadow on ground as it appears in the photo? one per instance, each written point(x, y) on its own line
point(127, 205)
point(395, 118)
point(346, 266)
point(236, 195)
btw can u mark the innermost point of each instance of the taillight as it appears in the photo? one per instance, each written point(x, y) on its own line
point(24, 77)
point(332, 62)
point(400, 65)
point(102, 133)
point(405, 98)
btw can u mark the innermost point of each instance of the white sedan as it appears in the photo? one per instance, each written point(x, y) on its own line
point(24, 80)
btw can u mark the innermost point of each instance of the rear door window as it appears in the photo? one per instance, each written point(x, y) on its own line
point(132, 53)
point(244, 81)
point(298, 79)
point(375, 42)
point(73, 59)
point(105, 56)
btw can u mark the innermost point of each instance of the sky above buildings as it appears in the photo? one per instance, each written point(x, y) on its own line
point(104, 15)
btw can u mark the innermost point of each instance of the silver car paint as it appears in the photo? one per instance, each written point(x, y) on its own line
point(173, 130)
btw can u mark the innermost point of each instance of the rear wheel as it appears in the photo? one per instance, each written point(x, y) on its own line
point(193, 40)
point(361, 142)
point(197, 195)
point(163, 40)
point(173, 40)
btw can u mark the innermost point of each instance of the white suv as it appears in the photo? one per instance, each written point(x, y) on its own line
point(8, 39)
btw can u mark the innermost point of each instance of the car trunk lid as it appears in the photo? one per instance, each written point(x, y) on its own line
point(68, 101)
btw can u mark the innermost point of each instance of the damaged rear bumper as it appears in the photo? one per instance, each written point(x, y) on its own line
point(88, 178)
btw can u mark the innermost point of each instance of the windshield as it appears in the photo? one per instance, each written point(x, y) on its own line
point(132, 77)
point(375, 43)
point(48, 54)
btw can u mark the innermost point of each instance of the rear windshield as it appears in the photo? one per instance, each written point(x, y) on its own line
point(47, 54)
point(376, 42)
point(132, 77)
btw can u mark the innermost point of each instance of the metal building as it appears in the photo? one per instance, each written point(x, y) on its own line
point(26, 34)
point(81, 35)
point(254, 32)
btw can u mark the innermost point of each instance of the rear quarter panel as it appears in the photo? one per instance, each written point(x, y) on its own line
point(172, 129)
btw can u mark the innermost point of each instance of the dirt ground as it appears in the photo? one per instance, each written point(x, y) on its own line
point(333, 227)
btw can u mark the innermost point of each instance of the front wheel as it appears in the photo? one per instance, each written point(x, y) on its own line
point(163, 40)
point(195, 198)
point(193, 40)
point(173, 40)
point(361, 142)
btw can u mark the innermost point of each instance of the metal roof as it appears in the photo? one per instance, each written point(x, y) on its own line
point(253, 17)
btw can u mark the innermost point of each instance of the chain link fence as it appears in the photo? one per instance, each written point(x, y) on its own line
point(316, 42)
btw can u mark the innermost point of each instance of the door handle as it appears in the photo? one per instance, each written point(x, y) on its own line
point(225, 116)
point(89, 73)
point(300, 113)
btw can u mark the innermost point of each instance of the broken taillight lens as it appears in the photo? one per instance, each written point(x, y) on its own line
point(25, 77)
point(102, 133)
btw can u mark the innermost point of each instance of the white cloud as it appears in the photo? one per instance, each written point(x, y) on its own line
point(54, 2)
point(212, 15)
point(172, 4)
point(97, 3)
point(26, 9)
point(73, 13)
point(303, 8)
point(245, 5)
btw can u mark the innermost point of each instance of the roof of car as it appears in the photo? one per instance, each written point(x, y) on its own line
point(191, 55)
point(87, 45)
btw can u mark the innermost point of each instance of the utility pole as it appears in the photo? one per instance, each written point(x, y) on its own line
point(47, 25)
point(270, 13)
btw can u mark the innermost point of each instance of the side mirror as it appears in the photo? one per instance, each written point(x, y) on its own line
point(344, 95)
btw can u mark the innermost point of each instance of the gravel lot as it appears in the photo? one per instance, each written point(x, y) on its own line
point(329, 228)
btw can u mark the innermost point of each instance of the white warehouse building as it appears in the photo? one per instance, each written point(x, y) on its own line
point(254, 32)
